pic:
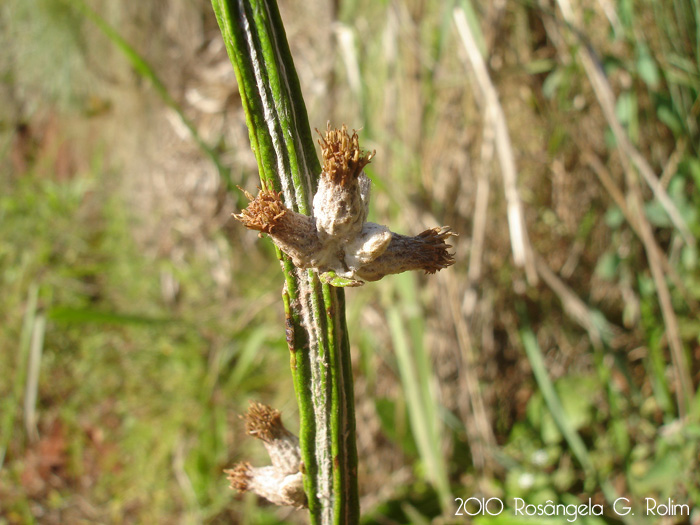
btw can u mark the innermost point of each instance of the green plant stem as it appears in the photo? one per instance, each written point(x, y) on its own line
point(316, 327)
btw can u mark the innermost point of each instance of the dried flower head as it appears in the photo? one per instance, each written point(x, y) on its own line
point(268, 483)
point(293, 233)
point(341, 202)
point(338, 241)
point(282, 482)
point(343, 160)
point(265, 423)
point(264, 211)
point(426, 251)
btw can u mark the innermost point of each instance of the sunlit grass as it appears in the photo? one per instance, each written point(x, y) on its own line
point(144, 393)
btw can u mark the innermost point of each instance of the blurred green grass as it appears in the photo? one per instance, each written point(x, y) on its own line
point(141, 380)
point(134, 394)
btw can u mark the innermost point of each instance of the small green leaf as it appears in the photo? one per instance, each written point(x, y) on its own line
point(626, 110)
point(624, 107)
point(334, 279)
point(659, 476)
point(689, 257)
point(694, 169)
point(551, 83)
point(646, 67)
point(656, 214)
point(542, 65)
point(607, 266)
point(669, 117)
point(614, 217)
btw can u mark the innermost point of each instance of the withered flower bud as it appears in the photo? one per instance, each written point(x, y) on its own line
point(293, 233)
point(282, 482)
point(337, 241)
point(265, 423)
point(341, 202)
point(269, 483)
point(426, 251)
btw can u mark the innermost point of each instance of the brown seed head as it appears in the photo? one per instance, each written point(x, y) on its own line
point(426, 251)
point(263, 212)
point(269, 483)
point(343, 160)
point(240, 476)
point(434, 248)
point(264, 422)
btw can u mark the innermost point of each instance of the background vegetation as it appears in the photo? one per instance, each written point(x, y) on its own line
point(137, 321)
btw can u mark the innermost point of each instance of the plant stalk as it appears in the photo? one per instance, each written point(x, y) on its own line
point(316, 328)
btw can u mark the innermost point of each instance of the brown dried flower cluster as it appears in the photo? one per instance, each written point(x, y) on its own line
point(426, 251)
point(264, 422)
point(264, 211)
point(282, 482)
point(343, 160)
point(338, 241)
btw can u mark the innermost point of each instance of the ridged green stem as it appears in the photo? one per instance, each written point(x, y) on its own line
point(316, 327)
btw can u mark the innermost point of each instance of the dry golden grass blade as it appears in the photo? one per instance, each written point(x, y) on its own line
point(671, 167)
point(31, 388)
point(482, 441)
point(574, 307)
point(481, 203)
point(520, 243)
point(348, 52)
point(681, 369)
